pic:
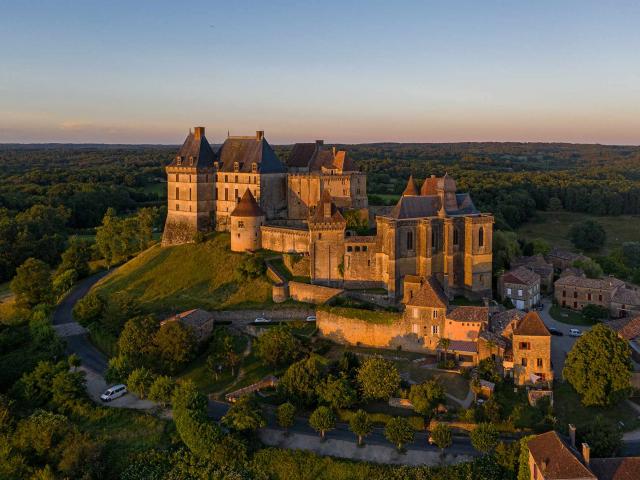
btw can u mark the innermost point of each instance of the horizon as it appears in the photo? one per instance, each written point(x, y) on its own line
point(414, 72)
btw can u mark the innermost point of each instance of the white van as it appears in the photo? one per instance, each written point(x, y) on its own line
point(574, 332)
point(113, 392)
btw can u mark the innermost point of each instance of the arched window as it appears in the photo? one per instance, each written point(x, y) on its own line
point(481, 237)
point(455, 236)
point(409, 240)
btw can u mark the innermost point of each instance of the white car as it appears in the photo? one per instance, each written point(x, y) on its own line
point(311, 318)
point(262, 320)
point(574, 332)
point(113, 392)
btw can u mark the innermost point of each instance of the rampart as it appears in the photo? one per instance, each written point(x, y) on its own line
point(304, 292)
point(285, 239)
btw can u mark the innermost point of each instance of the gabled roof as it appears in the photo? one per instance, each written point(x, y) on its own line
point(247, 206)
point(564, 254)
point(500, 321)
point(556, 460)
point(466, 346)
point(429, 295)
point(626, 296)
point(531, 325)
point(422, 206)
point(411, 188)
point(319, 215)
point(245, 151)
point(195, 151)
point(606, 283)
point(468, 314)
point(521, 276)
point(621, 468)
point(430, 186)
point(627, 328)
point(301, 154)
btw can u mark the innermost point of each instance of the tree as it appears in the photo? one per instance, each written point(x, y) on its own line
point(631, 254)
point(245, 415)
point(76, 257)
point(230, 357)
point(161, 390)
point(63, 281)
point(175, 344)
point(136, 340)
point(337, 392)
point(322, 420)
point(118, 368)
point(399, 432)
point(604, 437)
point(278, 346)
point(599, 367)
point(425, 397)
point(361, 425)
point(88, 309)
point(588, 235)
point(378, 378)
point(554, 204)
point(67, 388)
point(252, 266)
point(299, 381)
point(591, 268)
point(441, 436)
point(286, 415)
point(119, 307)
point(484, 437)
point(595, 313)
point(444, 344)
point(32, 283)
point(523, 460)
point(139, 382)
point(540, 246)
point(110, 239)
point(505, 249)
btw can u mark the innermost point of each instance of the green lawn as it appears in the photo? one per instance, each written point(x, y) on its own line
point(568, 316)
point(568, 409)
point(173, 279)
point(554, 228)
point(453, 383)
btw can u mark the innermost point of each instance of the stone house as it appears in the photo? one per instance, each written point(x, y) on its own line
point(609, 292)
point(521, 286)
point(539, 265)
point(561, 258)
point(552, 457)
point(531, 343)
point(199, 321)
point(628, 328)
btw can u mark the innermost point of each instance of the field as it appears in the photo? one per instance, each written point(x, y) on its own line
point(179, 278)
point(554, 228)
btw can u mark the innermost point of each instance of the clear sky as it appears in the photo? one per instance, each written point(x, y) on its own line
point(146, 71)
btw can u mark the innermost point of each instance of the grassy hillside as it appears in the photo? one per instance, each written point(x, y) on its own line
point(554, 228)
point(178, 278)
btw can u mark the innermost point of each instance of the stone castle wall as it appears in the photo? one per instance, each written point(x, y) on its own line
point(285, 240)
point(350, 331)
point(298, 265)
point(307, 293)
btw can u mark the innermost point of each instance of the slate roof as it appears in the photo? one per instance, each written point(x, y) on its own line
point(621, 468)
point(246, 151)
point(465, 346)
point(247, 206)
point(319, 214)
point(575, 271)
point(490, 336)
point(606, 283)
point(565, 254)
point(531, 325)
point(556, 459)
point(423, 206)
point(195, 151)
point(627, 328)
point(411, 188)
point(301, 154)
point(429, 295)
point(468, 314)
point(315, 157)
point(521, 276)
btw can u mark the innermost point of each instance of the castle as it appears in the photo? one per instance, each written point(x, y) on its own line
point(299, 207)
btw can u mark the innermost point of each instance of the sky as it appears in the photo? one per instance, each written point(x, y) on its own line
point(146, 71)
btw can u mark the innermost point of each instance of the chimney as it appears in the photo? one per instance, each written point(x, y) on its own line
point(334, 151)
point(572, 434)
point(319, 142)
point(259, 135)
point(586, 453)
point(198, 132)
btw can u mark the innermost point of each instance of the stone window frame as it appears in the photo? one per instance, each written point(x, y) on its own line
point(481, 237)
point(435, 329)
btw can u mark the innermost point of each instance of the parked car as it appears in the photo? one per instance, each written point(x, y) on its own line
point(311, 318)
point(555, 331)
point(574, 332)
point(262, 320)
point(114, 392)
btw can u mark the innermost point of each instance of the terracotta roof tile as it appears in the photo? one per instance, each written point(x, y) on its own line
point(627, 328)
point(521, 276)
point(626, 296)
point(411, 188)
point(606, 283)
point(621, 468)
point(430, 186)
point(556, 459)
point(532, 325)
point(468, 314)
point(429, 295)
point(247, 206)
point(319, 214)
point(501, 321)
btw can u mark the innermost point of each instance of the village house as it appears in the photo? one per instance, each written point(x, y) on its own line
point(561, 258)
point(521, 286)
point(537, 264)
point(531, 351)
point(609, 292)
point(199, 321)
point(628, 328)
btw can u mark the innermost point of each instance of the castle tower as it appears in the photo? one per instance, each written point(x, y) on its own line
point(246, 220)
point(411, 188)
point(326, 242)
point(190, 190)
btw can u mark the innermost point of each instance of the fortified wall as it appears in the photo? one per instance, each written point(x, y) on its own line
point(285, 239)
point(307, 293)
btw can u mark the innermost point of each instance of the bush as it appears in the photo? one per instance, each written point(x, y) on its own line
point(139, 382)
point(161, 390)
point(379, 379)
point(88, 309)
point(278, 346)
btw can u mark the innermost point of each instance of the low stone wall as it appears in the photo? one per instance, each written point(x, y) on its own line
point(304, 292)
point(273, 314)
point(285, 240)
point(298, 265)
point(352, 331)
point(381, 299)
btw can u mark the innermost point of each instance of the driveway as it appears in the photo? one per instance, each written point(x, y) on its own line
point(560, 346)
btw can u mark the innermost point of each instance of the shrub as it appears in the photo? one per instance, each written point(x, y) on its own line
point(161, 390)
point(88, 309)
point(139, 382)
point(379, 379)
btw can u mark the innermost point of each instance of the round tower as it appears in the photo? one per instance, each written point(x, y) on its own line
point(246, 220)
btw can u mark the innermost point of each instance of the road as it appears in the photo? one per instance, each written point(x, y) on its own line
point(560, 346)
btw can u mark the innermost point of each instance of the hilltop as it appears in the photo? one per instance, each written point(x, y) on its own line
point(173, 279)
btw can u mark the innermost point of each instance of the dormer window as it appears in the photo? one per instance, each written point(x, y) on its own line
point(191, 160)
point(254, 167)
point(179, 160)
point(216, 165)
point(236, 166)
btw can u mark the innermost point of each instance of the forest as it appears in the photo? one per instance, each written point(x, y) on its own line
point(51, 192)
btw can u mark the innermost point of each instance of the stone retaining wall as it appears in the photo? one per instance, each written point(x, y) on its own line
point(307, 293)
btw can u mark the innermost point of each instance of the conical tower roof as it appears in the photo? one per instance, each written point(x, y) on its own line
point(247, 206)
point(411, 188)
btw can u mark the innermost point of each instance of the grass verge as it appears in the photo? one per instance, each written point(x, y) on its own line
point(570, 317)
